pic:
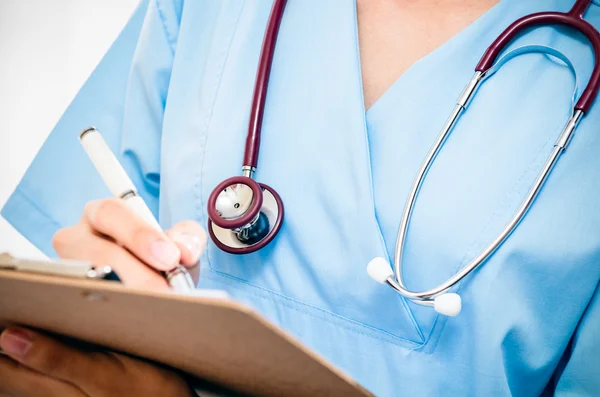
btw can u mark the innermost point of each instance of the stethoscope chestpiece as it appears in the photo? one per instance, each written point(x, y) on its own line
point(244, 215)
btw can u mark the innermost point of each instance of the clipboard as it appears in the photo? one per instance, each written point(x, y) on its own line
point(214, 339)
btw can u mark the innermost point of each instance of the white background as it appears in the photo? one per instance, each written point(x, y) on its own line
point(48, 48)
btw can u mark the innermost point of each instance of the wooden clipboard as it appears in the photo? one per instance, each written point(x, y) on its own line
point(214, 339)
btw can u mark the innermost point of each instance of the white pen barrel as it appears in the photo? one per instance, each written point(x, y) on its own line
point(109, 168)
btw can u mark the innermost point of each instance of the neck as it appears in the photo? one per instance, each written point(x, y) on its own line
point(450, 5)
point(393, 34)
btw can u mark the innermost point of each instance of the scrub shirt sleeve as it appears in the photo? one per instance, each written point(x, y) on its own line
point(124, 98)
point(579, 371)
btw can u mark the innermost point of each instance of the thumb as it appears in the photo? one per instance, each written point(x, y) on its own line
point(190, 238)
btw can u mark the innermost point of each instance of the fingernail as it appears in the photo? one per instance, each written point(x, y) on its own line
point(193, 243)
point(15, 342)
point(166, 252)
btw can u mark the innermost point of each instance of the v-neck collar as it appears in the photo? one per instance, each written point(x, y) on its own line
point(430, 62)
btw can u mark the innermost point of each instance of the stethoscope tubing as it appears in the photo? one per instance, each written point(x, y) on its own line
point(251, 151)
point(573, 19)
point(260, 88)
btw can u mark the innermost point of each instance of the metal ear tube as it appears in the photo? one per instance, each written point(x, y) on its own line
point(439, 298)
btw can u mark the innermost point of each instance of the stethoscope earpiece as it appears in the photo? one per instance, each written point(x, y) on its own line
point(379, 270)
point(448, 303)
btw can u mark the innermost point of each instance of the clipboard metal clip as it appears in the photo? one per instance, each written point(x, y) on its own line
point(63, 267)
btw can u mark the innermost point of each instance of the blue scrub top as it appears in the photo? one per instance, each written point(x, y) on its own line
point(172, 97)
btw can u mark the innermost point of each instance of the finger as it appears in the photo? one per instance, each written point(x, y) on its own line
point(58, 361)
point(81, 244)
point(45, 355)
point(20, 381)
point(190, 238)
point(95, 374)
point(113, 218)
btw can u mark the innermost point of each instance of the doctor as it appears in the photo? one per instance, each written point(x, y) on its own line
point(357, 94)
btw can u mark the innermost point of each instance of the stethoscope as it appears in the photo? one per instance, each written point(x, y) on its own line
point(245, 215)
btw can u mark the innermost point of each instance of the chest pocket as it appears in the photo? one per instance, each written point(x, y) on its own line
point(344, 189)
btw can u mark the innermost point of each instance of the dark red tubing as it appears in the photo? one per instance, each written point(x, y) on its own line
point(261, 84)
point(579, 8)
point(573, 19)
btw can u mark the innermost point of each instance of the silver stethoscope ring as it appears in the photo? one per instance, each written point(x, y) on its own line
point(226, 238)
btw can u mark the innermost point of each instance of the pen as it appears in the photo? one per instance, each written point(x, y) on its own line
point(121, 186)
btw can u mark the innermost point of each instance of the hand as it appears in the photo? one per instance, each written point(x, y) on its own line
point(40, 366)
point(109, 233)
